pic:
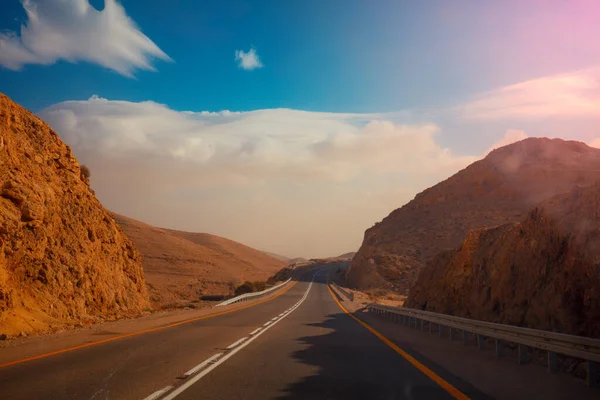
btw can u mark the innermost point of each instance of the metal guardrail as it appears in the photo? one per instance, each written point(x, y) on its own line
point(584, 348)
point(349, 295)
point(250, 296)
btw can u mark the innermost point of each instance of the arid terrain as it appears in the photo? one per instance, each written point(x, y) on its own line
point(541, 272)
point(63, 259)
point(501, 188)
point(181, 266)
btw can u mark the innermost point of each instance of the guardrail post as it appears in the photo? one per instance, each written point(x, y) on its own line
point(521, 354)
point(450, 330)
point(498, 348)
point(465, 336)
point(440, 330)
point(592, 374)
point(422, 325)
point(552, 362)
point(480, 342)
point(430, 328)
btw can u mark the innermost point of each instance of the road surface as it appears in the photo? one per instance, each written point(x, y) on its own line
point(299, 345)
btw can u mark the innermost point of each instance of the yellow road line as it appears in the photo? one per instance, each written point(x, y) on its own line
point(126, 335)
point(454, 392)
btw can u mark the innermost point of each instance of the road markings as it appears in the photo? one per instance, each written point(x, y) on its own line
point(232, 345)
point(187, 321)
point(454, 392)
point(254, 331)
point(158, 393)
point(221, 360)
point(268, 323)
point(275, 319)
point(203, 364)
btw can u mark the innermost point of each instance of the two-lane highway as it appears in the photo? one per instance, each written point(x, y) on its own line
point(320, 352)
point(133, 367)
point(300, 344)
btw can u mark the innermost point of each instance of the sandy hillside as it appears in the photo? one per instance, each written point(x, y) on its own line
point(181, 266)
point(498, 189)
point(63, 259)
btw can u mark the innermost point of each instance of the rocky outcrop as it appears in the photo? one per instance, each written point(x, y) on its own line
point(499, 189)
point(63, 259)
point(540, 273)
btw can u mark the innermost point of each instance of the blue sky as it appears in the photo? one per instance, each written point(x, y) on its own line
point(339, 56)
point(344, 89)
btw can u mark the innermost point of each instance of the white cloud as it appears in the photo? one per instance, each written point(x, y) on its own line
point(248, 60)
point(73, 30)
point(278, 179)
point(573, 94)
point(256, 145)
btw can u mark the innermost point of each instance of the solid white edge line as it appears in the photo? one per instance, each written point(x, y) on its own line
point(158, 393)
point(254, 331)
point(203, 364)
point(221, 360)
point(232, 345)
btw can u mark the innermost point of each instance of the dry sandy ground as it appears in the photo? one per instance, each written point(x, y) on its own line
point(179, 267)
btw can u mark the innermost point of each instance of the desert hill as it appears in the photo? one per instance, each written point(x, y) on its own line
point(499, 189)
point(63, 259)
point(297, 260)
point(347, 256)
point(182, 266)
point(541, 272)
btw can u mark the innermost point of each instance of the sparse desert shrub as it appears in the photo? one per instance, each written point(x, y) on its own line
point(250, 287)
point(85, 171)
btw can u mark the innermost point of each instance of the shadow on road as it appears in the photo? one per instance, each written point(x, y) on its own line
point(354, 364)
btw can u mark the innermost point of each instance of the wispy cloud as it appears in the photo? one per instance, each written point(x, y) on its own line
point(248, 60)
point(568, 95)
point(73, 30)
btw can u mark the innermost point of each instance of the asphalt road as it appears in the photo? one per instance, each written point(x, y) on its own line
point(300, 345)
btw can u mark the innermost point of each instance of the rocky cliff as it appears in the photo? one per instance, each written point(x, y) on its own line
point(540, 273)
point(63, 259)
point(498, 189)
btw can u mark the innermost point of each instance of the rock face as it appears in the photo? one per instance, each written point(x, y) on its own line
point(499, 189)
point(540, 273)
point(63, 259)
point(182, 266)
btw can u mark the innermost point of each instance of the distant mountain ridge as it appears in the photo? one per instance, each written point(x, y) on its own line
point(500, 188)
